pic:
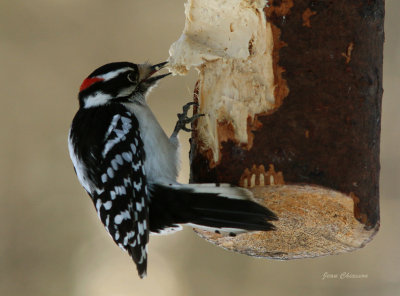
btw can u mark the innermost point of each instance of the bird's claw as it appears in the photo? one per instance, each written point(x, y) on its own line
point(183, 118)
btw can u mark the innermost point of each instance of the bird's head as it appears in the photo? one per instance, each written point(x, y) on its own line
point(119, 82)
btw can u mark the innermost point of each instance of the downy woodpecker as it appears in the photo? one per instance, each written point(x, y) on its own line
point(128, 166)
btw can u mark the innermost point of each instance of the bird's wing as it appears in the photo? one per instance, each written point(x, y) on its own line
point(121, 199)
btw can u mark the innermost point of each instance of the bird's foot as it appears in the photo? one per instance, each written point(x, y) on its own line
point(184, 119)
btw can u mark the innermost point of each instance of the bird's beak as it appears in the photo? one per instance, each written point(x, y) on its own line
point(146, 72)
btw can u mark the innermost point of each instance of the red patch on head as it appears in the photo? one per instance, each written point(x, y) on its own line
point(88, 82)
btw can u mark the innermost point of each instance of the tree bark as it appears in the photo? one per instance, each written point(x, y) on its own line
point(314, 157)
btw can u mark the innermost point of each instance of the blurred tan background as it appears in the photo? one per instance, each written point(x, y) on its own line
point(51, 242)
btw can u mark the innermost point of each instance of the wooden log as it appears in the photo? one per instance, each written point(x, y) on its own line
point(313, 157)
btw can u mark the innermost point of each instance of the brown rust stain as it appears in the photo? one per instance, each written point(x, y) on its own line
point(253, 124)
point(362, 217)
point(347, 55)
point(307, 14)
point(281, 90)
point(281, 10)
point(225, 131)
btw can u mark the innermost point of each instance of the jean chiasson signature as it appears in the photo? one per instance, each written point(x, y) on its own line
point(343, 276)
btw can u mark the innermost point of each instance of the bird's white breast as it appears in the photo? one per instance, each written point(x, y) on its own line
point(162, 153)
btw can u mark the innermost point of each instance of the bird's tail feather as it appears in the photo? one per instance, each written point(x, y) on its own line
point(219, 208)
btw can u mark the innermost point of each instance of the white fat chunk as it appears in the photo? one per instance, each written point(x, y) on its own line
point(236, 78)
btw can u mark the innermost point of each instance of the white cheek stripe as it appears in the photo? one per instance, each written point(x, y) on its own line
point(113, 74)
point(97, 99)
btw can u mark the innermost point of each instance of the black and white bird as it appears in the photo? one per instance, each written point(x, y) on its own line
point(128, 166)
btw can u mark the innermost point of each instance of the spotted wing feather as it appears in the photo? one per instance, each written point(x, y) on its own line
point(118, 178)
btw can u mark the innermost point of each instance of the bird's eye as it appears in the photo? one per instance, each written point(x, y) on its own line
point(132, 77)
